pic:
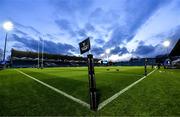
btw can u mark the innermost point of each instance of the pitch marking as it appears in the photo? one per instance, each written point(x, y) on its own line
point(57, 90)
point(107, 101)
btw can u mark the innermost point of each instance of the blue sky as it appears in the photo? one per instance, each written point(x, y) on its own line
point(127, 28)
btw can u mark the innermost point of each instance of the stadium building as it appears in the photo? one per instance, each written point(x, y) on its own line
point(137, 62)
point(175, 55)
point(171, 60)
point(23, 59)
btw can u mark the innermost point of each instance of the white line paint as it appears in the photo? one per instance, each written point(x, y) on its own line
point(101, 105)
point(57, 90)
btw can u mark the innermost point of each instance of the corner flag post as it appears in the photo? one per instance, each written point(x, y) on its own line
point(84, 47)
point(92, 83)
point(145, 67)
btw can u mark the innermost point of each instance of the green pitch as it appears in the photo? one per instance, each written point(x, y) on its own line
point(157, 94)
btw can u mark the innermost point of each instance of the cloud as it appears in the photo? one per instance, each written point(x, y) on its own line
point(172, 35)
point(119, 51)
point(110, 24)
point(160, 24)
point(27, 41)
point(135, 17)
point(141, 16)
point(65, 25)
point(97, 51)
point(97, 15)
point(89, 27)
point(20, 32)
point(99, 41)
point(29, 29)
point(82, 33)
point(49, 46)
point(50, 37)
point(103, 16)
point(120, 25)
point(144, 50)
point(124, 57)
point(175, 33)
point(119, 36)
point(71, 6)
point(58, 48)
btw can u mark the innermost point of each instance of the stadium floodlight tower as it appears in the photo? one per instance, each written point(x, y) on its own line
point(7, 26)
point(166, 44)
point(107, 52)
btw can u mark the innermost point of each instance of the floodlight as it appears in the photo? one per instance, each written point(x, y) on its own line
point(8, 26)
point(108, 51)
point(166, 43)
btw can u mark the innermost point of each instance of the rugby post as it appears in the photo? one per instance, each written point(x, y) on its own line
point(85, 47)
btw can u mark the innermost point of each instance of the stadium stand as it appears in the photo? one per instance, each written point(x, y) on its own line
point(23, 59)
point(176, 50)
point(171, 60)
point(1, 66)
point(137, 62)
point(175, 55)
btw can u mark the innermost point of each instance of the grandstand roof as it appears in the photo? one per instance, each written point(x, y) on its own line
point(176, 50)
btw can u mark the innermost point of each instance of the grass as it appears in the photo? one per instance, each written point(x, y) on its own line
point(158, 94)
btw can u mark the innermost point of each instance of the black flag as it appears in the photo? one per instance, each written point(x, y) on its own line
point(85, 45)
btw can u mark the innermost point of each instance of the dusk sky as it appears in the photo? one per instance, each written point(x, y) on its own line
point(128, 28)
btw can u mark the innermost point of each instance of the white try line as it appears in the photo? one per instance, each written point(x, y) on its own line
point(57, 90)
point(101, 105)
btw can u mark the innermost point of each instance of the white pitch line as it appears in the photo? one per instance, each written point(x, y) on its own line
point(104, 103)
point(57, 90)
